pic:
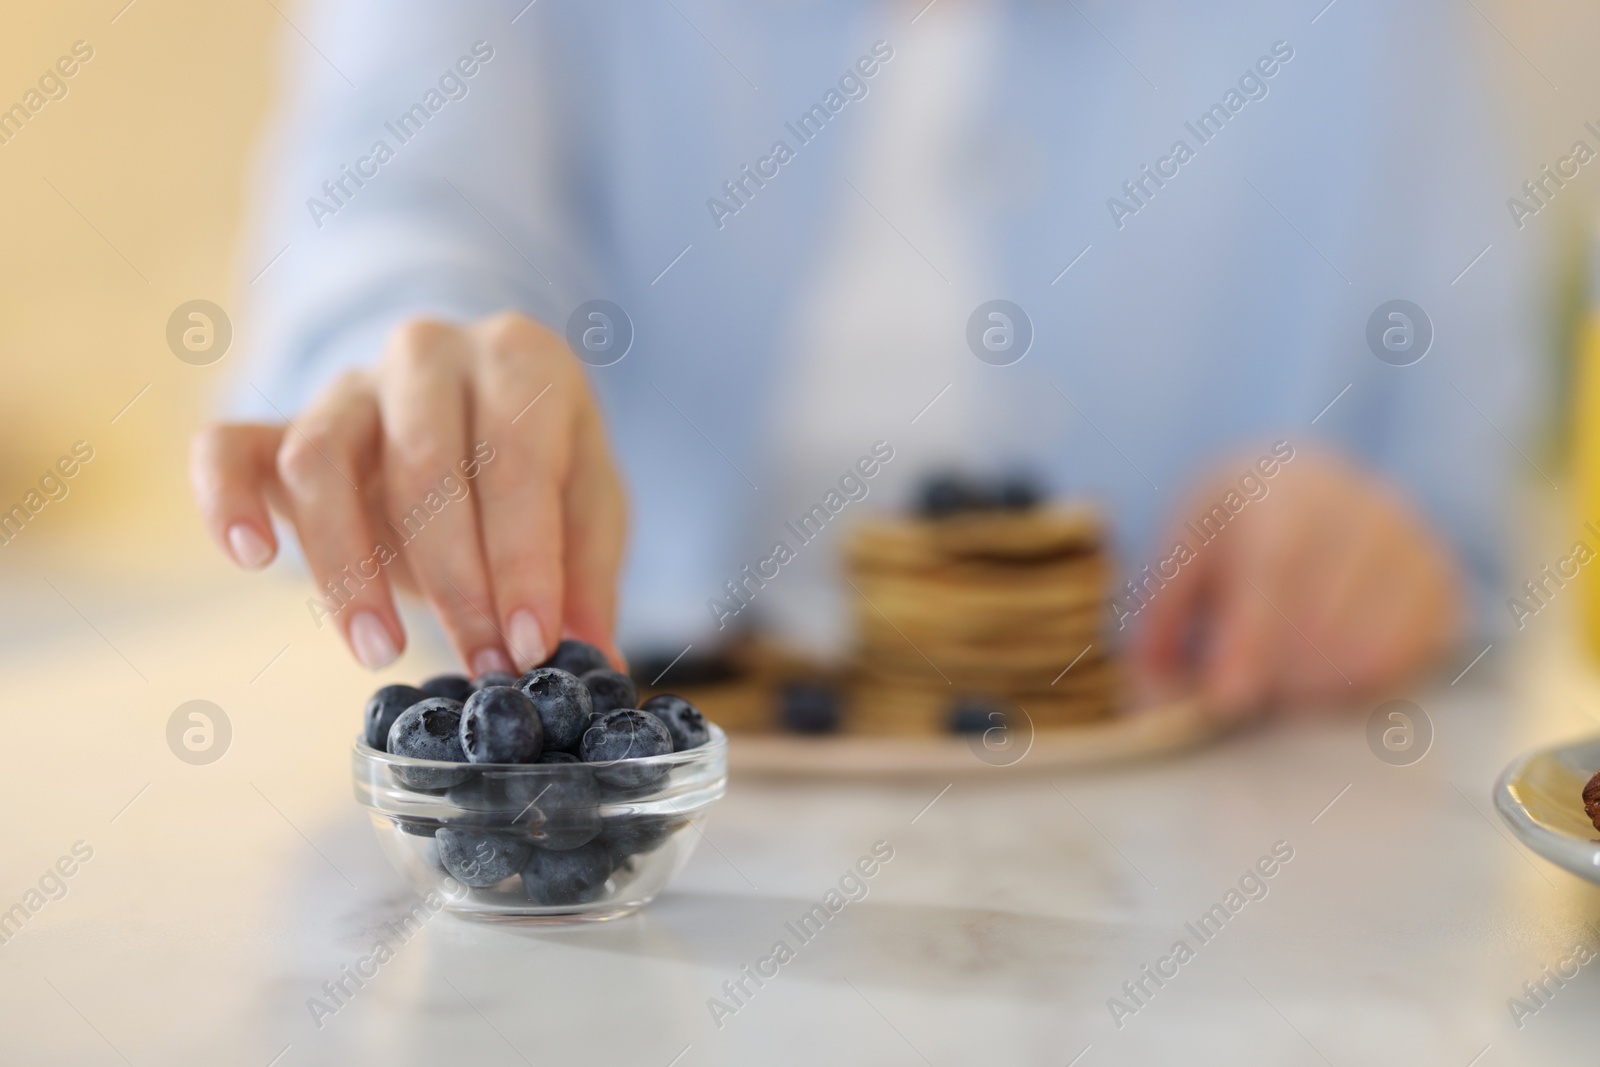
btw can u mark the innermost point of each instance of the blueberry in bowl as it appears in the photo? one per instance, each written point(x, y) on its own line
point(570, 876)
point(481, 858)
point(577, 658)
point(430, 730)
point(499, 725)
point(681, 718)
point(385, 707)
point(622, 742)
point(455, 686)
point(563, 704)
point(474, 801)
point(609, 691)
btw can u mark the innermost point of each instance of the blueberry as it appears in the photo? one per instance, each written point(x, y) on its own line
point(566, 811)
point(610, 690)
point(577, 658)
point(562, 703)
point(626, 735)
point(808, 708)
point(515, 797)
point(563, 830)
point(384, 707)
point(556, 808)
point(418, 827)
point(682, 720)
point(497, 798)
point(1019, 492)
point(559, 757)
point(635, 834)
point(950, 493)
point(494, 678)
point(454, 686)
point(571, 876)
point(978, 716)
point(689, 668)
point(499, 725)
point(429, 729)
point(481, 858)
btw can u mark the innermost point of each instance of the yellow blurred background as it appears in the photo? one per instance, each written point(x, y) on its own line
point(122, 200)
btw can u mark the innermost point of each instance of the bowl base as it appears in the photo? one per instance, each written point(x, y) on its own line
point(556, 919)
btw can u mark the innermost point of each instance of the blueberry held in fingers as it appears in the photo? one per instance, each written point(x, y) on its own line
point(562, 703)
point(481, 858)
point(617, 738)
point(384, 707)
point(499, 725)
point(610, 690)
point(570, 876)
point(454, 686)
point(430, 729)
point(577, 658)
point(682, 720)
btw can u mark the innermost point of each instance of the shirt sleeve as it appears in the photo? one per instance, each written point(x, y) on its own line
point(410, 172)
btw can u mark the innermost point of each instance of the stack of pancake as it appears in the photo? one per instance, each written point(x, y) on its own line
point(976, 609)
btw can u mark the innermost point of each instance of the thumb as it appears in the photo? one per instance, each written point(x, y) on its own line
point(1162, 644)
point(1238, 648)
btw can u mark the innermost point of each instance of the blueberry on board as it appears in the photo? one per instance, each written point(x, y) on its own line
point(610, 690)
point(975, 717)
point(630, 835)
point(481, 858)
point(808, 708)
point(489, 678)
point(689, 668)
point(430, 729)
point(454, 686)
point(577, 658)
point(562, 703)
point(384, 707)
point(499, 725)
point(1018, 492)
point(569, 876)
point(681, 718)
point(619, 737)
point(947, 493)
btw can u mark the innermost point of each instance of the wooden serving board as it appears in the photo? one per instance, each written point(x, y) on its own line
point(1134, 735)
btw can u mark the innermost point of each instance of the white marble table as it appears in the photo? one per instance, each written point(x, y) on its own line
point(219, 899)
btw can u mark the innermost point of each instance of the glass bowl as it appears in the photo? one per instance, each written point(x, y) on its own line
point(543, 842)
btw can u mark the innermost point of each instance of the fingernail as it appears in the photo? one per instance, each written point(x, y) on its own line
point(370, 638)
point(526, 637)
point(489, 659)
point(248, 547)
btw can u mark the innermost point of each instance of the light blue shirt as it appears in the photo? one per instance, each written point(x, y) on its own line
point(1217, 300)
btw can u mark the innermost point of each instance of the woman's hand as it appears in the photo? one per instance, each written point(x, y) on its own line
point(1330, 587)
point(471, 466)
